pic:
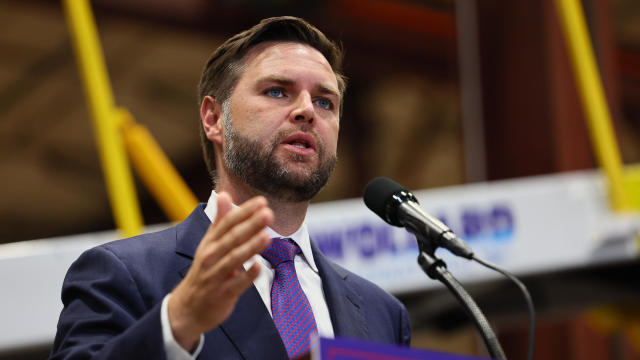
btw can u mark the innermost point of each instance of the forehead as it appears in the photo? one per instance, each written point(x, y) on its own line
point(287, 58)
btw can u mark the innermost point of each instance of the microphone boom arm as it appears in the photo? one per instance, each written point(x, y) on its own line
point(436, 269)
point(399, 207)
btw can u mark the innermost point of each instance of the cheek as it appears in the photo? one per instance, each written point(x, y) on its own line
point(251, 123)
point(330, 137)
point(264, 120)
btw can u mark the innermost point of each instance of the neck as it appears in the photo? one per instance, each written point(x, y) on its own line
point(289, 216)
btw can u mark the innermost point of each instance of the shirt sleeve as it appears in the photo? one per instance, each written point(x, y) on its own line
point(173, 350)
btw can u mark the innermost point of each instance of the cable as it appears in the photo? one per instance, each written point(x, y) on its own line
point(525, 293)
point(436, 269)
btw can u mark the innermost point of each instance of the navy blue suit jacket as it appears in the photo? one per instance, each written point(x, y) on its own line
point(112, 296)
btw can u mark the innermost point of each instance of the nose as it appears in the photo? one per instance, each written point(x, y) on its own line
point(303, 111)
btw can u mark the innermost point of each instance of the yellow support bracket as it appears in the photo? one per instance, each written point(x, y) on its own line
point(154, 168)
point(116, 128)
point(593, 99)
point(632, 185)
point(119, 182)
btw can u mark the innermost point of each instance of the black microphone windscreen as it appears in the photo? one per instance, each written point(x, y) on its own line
point(378, 192)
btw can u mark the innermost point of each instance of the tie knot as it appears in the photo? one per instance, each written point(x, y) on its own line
point(280, 250)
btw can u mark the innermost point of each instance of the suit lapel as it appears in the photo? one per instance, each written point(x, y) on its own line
point(250, 327)
point(190, 232)
point(344, 303)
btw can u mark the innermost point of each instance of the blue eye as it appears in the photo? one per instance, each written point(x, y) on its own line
point(325, 103)
point(275, 92)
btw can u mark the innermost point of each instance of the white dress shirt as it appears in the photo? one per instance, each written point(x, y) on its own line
point(308, 277)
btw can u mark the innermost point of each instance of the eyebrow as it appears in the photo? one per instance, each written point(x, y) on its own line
point(284, 81)
point(281, 80)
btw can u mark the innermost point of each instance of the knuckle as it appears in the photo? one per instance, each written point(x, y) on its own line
point(235, 233)
point(232, 258)
point(209, 256)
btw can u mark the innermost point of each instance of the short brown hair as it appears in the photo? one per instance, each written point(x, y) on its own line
point(226, 63)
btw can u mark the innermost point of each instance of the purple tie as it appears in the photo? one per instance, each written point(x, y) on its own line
point(291, 311)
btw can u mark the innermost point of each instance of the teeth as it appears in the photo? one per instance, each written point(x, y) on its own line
point(299, 145)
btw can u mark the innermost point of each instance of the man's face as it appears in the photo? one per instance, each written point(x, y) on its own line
point(281, 122)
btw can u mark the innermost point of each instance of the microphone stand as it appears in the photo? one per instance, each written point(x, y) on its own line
point(436, 269)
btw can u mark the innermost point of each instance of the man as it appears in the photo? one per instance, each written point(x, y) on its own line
point(210, 288)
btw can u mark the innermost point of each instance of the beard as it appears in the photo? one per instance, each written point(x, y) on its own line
point(256, 164)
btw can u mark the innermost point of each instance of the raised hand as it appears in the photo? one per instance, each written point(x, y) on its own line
point(210, 290)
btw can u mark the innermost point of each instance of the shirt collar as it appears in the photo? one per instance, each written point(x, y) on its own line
point(300, 237)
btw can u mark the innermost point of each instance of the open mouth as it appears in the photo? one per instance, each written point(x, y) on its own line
point(300, 144)
point(300, 141)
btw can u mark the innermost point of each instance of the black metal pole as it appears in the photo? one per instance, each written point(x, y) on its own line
point(436, 269)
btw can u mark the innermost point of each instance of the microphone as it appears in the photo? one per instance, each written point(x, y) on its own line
point(399, 207)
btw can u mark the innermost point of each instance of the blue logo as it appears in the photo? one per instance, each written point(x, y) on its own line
point(367, 240)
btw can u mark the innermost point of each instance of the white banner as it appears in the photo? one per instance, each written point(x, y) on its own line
point(526, 226)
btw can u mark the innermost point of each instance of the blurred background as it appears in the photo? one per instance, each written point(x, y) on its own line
point(440, 93)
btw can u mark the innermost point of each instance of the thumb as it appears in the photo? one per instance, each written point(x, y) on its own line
point(224, 205)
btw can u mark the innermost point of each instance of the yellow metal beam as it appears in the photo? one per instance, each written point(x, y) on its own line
point(119, 181)
point(155, 170)
point(632, 184)
point(593, 99)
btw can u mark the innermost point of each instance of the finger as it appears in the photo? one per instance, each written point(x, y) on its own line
point(211, 252)
point(233, 217)
point(254, 270)
point(224, 205)
point(235, 258)
point(243, 231)
point(238, 256)
point(226, 211)
point(236, 285)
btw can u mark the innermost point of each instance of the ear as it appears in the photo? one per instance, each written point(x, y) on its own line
point(211, 117)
